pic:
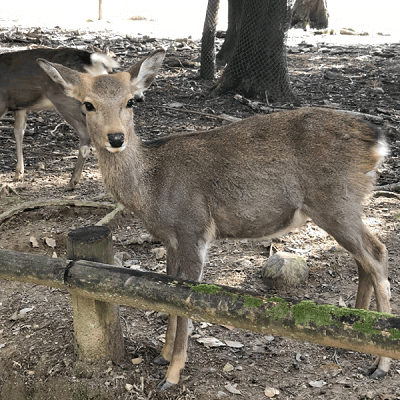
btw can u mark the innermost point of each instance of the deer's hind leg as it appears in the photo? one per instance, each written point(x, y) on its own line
point(376, 282)
point(371, 259)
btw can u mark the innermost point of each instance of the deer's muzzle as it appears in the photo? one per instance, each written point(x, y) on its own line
point(116, 141)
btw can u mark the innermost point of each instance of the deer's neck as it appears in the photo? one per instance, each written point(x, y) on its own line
point(126, 176)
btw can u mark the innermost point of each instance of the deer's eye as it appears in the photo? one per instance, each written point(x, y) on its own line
point(130, 103)
point(89, 106)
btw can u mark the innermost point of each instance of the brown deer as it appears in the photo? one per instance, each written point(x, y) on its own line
point(260, 177)
point(25, 87)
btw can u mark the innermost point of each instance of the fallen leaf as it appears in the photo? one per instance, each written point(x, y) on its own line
point(211, 342)
point(229, 327)
point(128, 387)
point(159, 252)
point(25, 310)
point(232, 389)
point(175, 104)
point(236, 345)
point(34, 241)
point(331, 369)
point(228, 367)
point(317, 384)
point(271, 392)
point(14, 317)
point(161, 338)
point(50, 242)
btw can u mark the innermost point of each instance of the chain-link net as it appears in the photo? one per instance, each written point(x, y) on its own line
point(257, 63)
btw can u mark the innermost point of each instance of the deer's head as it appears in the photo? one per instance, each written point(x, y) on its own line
point(107, 100)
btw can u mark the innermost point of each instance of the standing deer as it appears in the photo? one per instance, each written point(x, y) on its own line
point(260, 177)
point(25, 87)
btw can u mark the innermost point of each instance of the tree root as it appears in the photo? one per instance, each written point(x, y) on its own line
point(390, 187)
point(31, 205)
point(110, 216)
point(385, 193)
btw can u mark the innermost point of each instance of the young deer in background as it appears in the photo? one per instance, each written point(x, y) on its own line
point(25, 87)
point(260, 177)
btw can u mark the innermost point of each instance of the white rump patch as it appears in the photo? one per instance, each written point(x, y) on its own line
point(101, 64)
point(382, 147)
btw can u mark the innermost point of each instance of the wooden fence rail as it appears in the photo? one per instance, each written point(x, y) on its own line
point(358, 330)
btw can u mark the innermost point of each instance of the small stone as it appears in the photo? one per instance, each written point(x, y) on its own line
point(137, 361)
point(271, 392)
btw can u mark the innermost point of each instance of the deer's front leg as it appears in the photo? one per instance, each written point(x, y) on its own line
point(19, 129)
point(166, 353)
point(178, 358)
point(185, 261)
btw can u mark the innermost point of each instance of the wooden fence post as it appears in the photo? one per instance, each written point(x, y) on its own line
point(98, 332)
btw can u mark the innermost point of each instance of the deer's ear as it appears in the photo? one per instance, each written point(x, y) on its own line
point(67, 79)
point(144, 72)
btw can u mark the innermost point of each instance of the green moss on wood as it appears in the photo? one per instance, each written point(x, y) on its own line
point(252, 302)
point(277, 299)
point(207, 289)
point(233, 295)
point(278, 311)
point(394, 333)
point(307, 312)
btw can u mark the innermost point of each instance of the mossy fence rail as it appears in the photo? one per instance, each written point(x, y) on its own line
point(97, 289)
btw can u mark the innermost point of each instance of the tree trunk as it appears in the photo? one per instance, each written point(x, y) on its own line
point(207, 67)
point(258, 68)
point(310, 12)
point(235, 10)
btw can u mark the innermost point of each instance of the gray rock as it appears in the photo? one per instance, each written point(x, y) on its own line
point(285, 269)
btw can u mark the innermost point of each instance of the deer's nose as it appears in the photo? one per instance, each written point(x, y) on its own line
point(116, 139)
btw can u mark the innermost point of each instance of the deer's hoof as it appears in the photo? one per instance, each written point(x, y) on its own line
point(160, 360)
point(378, 373)
point(18, 177)
point(164, 385)
point(71, 186)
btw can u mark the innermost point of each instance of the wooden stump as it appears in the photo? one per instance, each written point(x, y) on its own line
point(98, 332)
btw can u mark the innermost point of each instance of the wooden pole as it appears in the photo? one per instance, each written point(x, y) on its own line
point(100, 10)
point(97, 326)
point(325, 324)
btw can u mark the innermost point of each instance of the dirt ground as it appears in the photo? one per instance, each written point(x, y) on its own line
point(37, 359)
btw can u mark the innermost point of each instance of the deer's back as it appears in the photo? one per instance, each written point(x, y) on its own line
point(252, 176)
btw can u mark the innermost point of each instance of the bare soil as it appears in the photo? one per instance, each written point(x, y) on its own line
point(37, 358)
